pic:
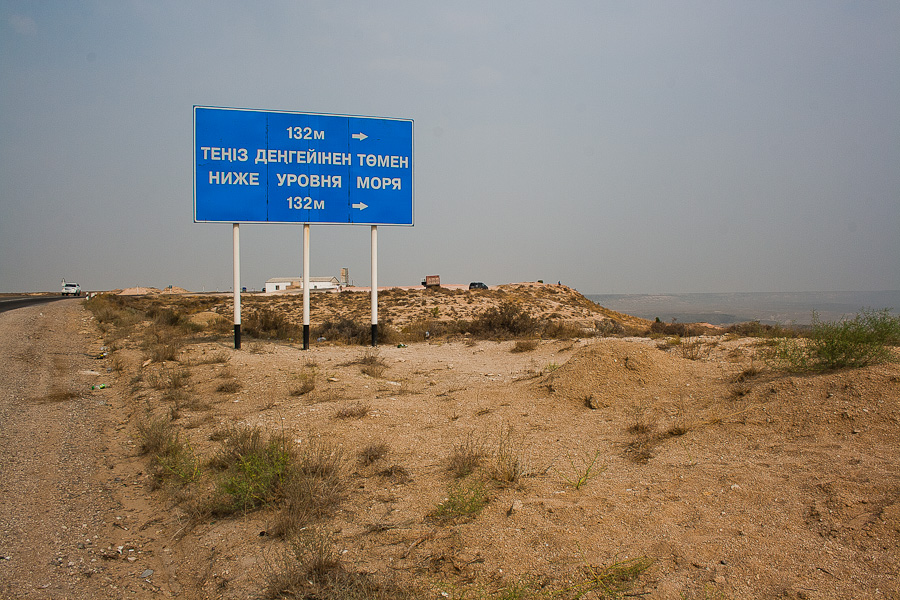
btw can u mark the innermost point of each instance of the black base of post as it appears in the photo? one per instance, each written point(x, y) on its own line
point(237, 336)
point(374, 335)
point(306, 337)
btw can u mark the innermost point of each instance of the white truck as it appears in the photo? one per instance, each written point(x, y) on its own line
point(71, 289)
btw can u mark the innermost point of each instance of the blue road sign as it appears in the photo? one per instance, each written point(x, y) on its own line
point(254, 166)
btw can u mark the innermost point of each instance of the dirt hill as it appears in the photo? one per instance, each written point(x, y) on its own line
point(464, 468)
point(400, 307)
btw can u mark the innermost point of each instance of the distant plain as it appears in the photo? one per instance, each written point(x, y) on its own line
point(766, 307)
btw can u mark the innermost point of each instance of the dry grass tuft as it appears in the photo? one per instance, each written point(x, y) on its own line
point(171, 458)
point(357, 410)
point(371, 362)
point(396, 473)
point(314, 488)
point(311, 568)
point(372, 453)
point(525, 346)
point(748, 373)
point(694, 349)
point(466, 456)
point(511, 459)
point(641, 422)
point(611, 581)
point(229, 387)
point(677, 429)
point(212, 358)
point(162, 343)
point(741, 389)
point(59, 396)
point(306, 384)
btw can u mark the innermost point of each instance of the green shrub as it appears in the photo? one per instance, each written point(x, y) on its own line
point(581, 470)
point(852, 343)
point(255, 469)
point(858, 342)
point(256, 479)
point(179, 463)
point(761, 330)
point(170, 457)
point(611, 581)
point(465, 499)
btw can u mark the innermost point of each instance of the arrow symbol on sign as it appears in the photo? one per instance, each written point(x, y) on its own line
point(361, 206)
point(359, 136)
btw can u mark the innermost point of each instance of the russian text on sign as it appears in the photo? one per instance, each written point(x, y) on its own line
point(377, 183)
point(233, 178)
point(304, 180)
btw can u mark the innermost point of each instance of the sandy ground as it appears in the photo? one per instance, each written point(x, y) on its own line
point(735, 483)
point(67, 499)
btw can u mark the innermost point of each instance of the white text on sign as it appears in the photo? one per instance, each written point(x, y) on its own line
point(378, 160)
point(377, 183)
point(305, 133)
point(304, 180)
point(305, 203)
point(232, 154)
point(233, 178)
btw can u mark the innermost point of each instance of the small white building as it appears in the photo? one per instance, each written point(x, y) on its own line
point(280, 284)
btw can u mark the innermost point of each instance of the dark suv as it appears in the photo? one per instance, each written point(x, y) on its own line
point(477, 285)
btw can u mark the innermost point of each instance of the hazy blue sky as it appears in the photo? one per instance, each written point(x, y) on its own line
point(620, 147)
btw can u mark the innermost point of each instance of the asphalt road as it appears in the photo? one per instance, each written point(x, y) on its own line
point(11, 302)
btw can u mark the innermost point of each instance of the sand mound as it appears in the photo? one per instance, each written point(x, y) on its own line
point(144, 291)
point(619, 370)
point(138, 291)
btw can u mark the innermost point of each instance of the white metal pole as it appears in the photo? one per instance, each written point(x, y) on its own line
point(235, 234)
point(306, 284)
point(374, 285)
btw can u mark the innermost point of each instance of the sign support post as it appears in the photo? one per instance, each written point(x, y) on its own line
point(374, 285)
point(306, 284)
point(235, 234)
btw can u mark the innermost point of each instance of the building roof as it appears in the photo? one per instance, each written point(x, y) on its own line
point(290, 279)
